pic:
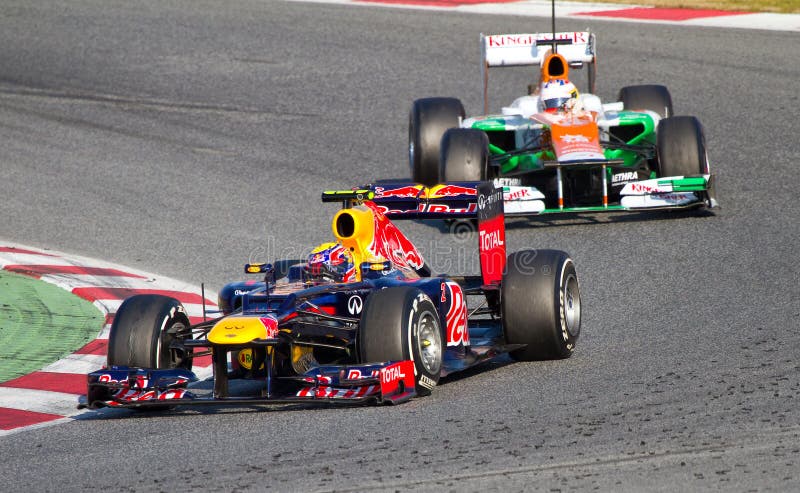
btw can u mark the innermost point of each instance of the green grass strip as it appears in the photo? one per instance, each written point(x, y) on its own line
point(41, 323)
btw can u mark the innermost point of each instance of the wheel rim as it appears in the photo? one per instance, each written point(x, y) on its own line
point(429, 343)
point(168, 357)
point(572, 305)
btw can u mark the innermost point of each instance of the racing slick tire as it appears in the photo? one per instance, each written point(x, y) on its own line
point(402, 323)
point(464, 155)
point(680, 147)
point(427, 122)
point(143, 329)
point(541, 304)
point(651, 97)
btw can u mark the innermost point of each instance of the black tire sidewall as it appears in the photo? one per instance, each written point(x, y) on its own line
point(653, 97)
point(428, 120)
point(680, 147)
point(533, 307)
point(464, 155)
point(139, 335)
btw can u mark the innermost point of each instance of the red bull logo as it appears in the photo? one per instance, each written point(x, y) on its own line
point(444, 209)
point(356, 374)
point(456, 314)
point(271, 326)
point(408, 191)
point(441, 191)
point(390, 243)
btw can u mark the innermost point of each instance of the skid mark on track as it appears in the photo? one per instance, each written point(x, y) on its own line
point(127, 102)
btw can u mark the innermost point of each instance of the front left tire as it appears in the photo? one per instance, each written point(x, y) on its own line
point(681, 147)
point(143, 330)
point(402, 323)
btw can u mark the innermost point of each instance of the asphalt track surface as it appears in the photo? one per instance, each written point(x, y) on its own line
point(187, 137)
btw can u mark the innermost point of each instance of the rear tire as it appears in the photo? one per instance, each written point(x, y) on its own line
point(464, 155)
point(143, 329)
point(427, 123)
point(651, 97)
point(681, 147)
point(541, 304)
point(402, 323)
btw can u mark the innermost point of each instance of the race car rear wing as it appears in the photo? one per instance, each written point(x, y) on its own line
point(409, 200)
point(465, 200)
point(514, 50)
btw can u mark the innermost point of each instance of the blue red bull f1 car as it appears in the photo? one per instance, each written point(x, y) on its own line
point(363, 320)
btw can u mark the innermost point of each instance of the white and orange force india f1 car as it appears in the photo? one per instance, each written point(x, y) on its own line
point(561, 153)
point(383, 331)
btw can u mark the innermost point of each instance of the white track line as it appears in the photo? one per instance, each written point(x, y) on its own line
point(577, 10)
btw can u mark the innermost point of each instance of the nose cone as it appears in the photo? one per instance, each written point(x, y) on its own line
point(243, 329)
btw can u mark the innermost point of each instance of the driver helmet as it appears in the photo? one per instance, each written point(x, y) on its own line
point(556, 93)
point(329, 262)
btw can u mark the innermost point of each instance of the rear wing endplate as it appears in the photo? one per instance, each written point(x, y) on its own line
point(491, 233)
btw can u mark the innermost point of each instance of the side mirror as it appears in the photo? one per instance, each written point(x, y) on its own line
point(261, 268)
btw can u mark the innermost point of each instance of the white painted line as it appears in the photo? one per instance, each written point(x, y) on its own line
point(573, 10)
point(7, 258)
point(539, 8)
point(40, 401)
point(192, 309)
point(107, 306)
point(771, 22)
point(44, 424)
point(104, 333)
point(77, 363)
point(58, 258)
point(71, 281)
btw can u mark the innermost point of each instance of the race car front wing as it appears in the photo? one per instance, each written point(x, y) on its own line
point(458, 199)
point(125, 387)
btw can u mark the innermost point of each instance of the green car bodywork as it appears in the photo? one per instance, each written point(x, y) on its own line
point(516, 146)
